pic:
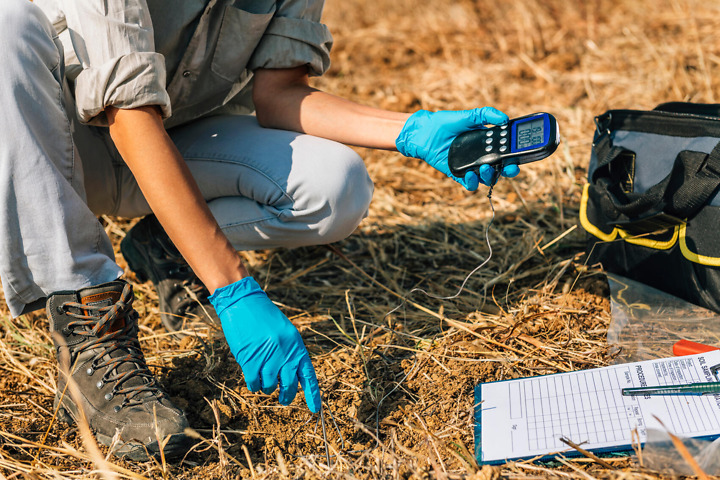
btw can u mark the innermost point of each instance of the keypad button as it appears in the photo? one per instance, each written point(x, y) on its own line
point(503, 133)
point(488, 140)
point(489, 133)
point(503, 141)
point(488, 148)
point(503, 148)
point(503, 127)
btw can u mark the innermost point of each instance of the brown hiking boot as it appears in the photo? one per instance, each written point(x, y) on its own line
point(96, 340)
point(183, 299)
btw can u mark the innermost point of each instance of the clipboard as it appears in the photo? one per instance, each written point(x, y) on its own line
point(525, 418)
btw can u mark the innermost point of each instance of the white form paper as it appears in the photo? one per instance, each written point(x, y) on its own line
point(526, 417)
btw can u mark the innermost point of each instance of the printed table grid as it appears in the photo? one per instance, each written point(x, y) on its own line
point(574, 406)
point(527, 417)
point(562, 406)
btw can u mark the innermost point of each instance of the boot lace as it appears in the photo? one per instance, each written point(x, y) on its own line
point(96, 325)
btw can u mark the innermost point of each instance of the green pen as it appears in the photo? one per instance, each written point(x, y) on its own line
point(706, 388)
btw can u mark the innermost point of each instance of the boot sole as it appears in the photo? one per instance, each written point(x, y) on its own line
point(174, 449)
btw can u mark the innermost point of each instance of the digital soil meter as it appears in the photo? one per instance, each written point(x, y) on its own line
point(522, 140)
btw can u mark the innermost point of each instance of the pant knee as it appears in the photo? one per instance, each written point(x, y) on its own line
point(343, 195)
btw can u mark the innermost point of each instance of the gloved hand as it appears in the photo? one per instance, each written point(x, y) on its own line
point(264, 342)
point(428, 135)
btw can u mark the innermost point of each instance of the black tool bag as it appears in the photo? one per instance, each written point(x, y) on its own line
point(651, 206)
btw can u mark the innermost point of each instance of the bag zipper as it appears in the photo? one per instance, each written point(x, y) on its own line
point(702, 109)
point(662, 122)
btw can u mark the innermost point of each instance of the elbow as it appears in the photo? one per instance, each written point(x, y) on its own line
point(277, 95)
point(263, 118)
point(260, 104)
point(264, 109)
point(267, 99)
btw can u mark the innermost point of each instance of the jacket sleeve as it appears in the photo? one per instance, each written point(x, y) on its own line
point(295, 37)
point(113, 39)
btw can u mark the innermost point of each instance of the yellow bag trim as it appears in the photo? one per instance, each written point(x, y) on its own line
point(695, 257)
point(585, 222)
point(609, 237)
point(650, 243)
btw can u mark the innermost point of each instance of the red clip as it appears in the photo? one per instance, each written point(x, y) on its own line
point(686, 347)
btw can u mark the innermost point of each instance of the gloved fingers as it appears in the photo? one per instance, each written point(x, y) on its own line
point(487, 175)
point(460, 121)
point(510, 170)
point(471, 181)
point(269, 379)
point(309, 384)
point(490, 115)
point(252, 379)
point(288, 384)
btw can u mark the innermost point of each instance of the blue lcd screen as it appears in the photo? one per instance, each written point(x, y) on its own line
point(529, 134)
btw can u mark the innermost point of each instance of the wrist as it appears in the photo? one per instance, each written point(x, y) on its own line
point(406, 142)
point(226, 296)
point(223, 275)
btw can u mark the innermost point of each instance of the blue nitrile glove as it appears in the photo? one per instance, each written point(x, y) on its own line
point(264, 342)
point(428, 135)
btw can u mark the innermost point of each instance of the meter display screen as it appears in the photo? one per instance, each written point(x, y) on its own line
point(529, 134)
point(522, 140)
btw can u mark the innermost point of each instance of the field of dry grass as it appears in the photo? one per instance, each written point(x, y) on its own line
point(397, 369)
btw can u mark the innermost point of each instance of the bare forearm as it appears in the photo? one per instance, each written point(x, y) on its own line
point(293, 105)
point(174, 196)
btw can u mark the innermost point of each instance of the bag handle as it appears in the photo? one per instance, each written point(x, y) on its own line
point(693, 180)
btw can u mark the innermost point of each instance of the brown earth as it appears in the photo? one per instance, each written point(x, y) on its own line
point(397, 369)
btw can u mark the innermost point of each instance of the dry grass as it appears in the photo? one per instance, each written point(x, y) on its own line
point(400, 384)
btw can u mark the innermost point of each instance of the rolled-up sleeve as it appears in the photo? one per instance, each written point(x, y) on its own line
point(295, 37)
point(113, 39)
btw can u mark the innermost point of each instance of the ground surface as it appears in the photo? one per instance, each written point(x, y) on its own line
point(398, 375)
